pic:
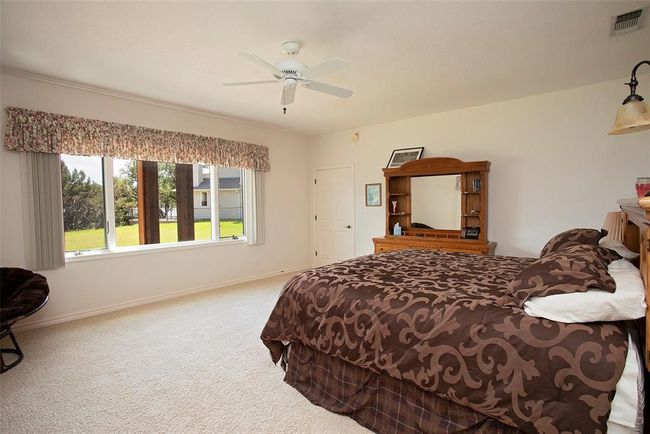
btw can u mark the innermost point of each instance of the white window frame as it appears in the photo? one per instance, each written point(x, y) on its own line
point(109, 204)
point(113, 250)
point(214, 202)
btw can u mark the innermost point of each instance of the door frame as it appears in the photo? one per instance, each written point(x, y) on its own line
point(313, 208)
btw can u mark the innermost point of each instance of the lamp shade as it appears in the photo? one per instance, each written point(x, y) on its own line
point(631, 117)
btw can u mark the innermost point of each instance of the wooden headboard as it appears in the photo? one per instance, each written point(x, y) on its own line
point(637, 238)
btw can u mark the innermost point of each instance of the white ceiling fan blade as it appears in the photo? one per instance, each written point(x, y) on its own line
point(328, 67)
point(262, 63)
point(288, 95)
point(244, 83)
point(328, 88)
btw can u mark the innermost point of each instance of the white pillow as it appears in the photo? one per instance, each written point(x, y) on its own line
point(627, 302)
point(619, 248)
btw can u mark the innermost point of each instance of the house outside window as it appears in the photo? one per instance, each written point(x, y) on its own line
point(230, 199)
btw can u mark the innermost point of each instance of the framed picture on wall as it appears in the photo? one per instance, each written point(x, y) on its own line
point(401, 156)
point(373, 194)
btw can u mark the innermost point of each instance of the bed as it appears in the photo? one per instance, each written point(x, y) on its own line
point(421, 341)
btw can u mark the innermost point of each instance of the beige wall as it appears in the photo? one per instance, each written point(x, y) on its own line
point(99, 284)
point(553, 165)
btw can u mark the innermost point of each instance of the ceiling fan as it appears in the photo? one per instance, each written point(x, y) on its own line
point(291, 72)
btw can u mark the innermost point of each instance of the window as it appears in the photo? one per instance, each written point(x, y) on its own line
point(84, 215)
point(202, 190)
point(167, 203)
point(102, 193)
point(125, 196)
point(231, 203)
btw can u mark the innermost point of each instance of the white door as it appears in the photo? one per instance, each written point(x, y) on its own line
point(334, 215)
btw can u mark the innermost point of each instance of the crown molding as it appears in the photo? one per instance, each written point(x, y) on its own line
point(29, 75)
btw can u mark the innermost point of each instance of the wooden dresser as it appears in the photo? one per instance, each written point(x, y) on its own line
point(637, 239)
point(472, 187)
point(390, 242)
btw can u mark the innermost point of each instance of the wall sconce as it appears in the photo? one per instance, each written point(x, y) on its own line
point(635, 114)
point(355, 137)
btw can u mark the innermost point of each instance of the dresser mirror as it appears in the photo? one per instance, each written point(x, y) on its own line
point(436, 202)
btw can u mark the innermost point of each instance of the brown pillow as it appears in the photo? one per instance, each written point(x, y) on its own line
point(606, 255)
point(572, 237)
point(562, 272)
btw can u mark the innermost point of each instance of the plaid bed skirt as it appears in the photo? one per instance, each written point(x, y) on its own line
point(378, 402)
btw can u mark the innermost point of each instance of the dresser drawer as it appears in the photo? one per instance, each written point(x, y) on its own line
point(474, 251)
point(380, 248)
point(403, 243)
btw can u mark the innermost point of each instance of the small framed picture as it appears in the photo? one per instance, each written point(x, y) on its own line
point(401, 156)
point(373, 194)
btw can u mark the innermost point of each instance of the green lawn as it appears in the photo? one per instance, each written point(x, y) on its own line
point(128, 235)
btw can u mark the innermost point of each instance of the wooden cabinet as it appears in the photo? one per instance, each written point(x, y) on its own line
point(390, 242)
point(473, 213)
point(637, 239)
point(644, 247)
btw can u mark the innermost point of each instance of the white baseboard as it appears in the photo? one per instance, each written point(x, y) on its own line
point(147, 300)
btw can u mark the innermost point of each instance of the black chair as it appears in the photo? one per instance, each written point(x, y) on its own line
point(22, 293)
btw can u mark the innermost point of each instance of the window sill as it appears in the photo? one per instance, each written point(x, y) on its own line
point(93, 255)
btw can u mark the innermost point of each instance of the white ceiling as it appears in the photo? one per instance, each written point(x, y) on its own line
point(406, 59)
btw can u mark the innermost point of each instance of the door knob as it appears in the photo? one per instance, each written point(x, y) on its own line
point(348, 227)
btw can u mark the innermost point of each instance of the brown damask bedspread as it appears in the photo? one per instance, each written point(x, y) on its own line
point(431, 318)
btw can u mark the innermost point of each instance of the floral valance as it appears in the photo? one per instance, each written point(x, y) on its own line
point(37, 131)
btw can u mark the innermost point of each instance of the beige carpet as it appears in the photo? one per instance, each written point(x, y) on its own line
point(193, 364)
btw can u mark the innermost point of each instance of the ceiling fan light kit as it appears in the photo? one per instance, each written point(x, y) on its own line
point(290, 72)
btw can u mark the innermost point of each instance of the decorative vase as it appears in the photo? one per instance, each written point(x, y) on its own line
point(394, 202)
point(642, 186)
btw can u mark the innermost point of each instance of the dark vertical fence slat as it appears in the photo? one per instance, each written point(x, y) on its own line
point(148, 210)
point(184, 202)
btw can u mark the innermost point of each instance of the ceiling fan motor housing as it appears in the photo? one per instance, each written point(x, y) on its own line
point(290, 68)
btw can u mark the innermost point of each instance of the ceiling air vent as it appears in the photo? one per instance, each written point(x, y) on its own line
point(627, 23)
